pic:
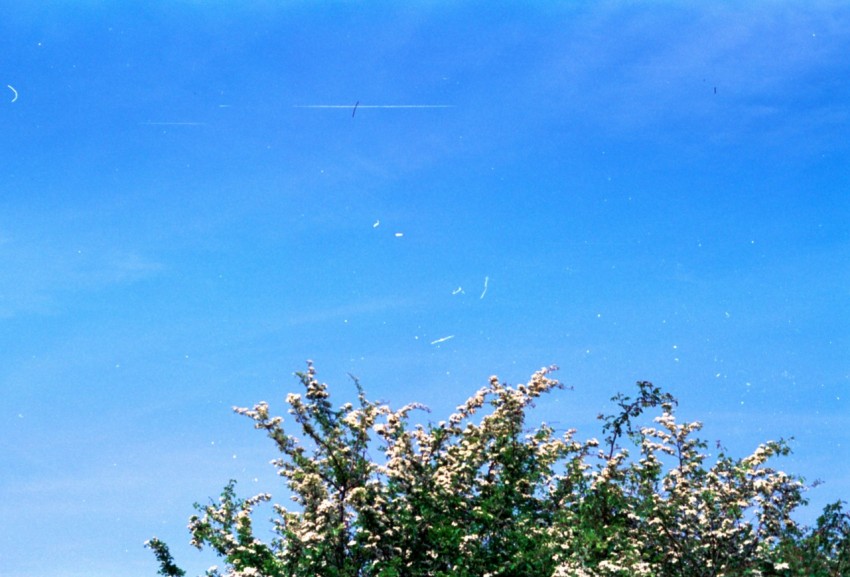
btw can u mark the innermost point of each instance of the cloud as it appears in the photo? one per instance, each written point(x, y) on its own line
point(625, 71)
point(35, 273)
point(354, 309)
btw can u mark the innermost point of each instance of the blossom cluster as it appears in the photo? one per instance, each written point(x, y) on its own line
point(482, 494)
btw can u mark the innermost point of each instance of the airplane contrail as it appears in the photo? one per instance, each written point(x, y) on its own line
point(359, 106)
point(173, 123)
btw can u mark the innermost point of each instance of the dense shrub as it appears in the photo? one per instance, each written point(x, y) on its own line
point(482, 494)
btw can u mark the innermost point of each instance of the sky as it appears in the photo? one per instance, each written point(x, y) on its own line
point(630, 190)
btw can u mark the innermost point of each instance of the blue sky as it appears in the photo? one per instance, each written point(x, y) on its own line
point(651, 191)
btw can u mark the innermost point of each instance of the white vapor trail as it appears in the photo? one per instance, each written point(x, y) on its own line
point(359, 106)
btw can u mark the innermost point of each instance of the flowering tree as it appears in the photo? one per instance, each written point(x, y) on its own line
point(482, 494)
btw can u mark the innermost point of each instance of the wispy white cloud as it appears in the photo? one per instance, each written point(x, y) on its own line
point(35, 273)
point(624, 70)
point(350, 310)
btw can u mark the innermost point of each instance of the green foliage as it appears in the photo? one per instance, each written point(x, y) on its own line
point(167, 568)
point(481, 494)
point(824, 551)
